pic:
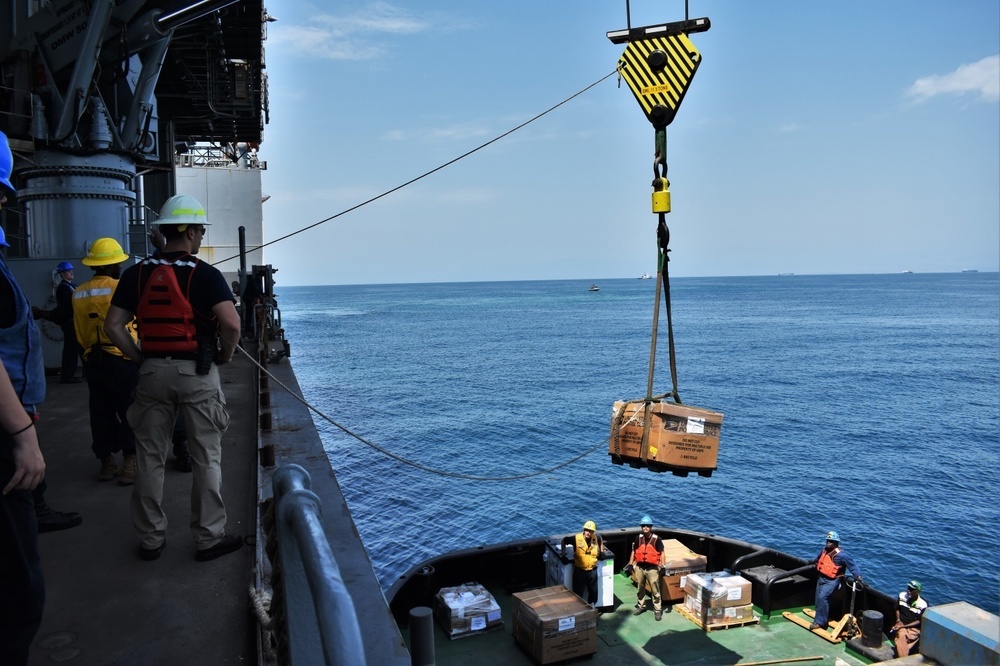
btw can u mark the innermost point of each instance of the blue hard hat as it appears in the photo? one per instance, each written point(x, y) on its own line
point(832, 536)
point(646, 520)
point(64, 266)
point(6, 164)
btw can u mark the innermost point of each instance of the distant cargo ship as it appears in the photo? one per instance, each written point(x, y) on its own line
point(970, 270)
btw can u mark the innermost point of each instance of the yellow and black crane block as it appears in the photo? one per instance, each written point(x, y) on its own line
point(658, 65)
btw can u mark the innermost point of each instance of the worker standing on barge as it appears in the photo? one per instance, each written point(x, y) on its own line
point(647, 561)
point(830, 567)
point(588, 548)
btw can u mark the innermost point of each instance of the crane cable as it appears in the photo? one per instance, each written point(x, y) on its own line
point(406, 461)
point(426, 173)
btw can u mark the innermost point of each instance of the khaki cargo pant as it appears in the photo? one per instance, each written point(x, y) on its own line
point(166, 387)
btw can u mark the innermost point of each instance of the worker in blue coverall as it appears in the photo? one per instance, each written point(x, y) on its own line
point(830, 567)
point(22, 466)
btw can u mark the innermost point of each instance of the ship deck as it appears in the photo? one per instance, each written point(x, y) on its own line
point(106, 606)
point(675, 640)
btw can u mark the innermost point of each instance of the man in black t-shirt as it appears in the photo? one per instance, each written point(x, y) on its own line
point(183, 307)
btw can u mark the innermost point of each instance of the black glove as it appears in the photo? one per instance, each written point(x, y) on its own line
point(663, 571)
point(627, 570)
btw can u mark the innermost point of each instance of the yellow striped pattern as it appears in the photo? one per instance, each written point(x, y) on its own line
point(665, 87)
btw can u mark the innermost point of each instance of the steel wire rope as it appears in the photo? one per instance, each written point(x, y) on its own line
point(426, 173)
point(406, 461)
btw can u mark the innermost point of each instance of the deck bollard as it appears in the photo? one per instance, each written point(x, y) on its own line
point(421, 636)
point(871, 628)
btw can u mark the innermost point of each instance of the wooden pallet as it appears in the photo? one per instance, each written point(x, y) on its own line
point(680, 608)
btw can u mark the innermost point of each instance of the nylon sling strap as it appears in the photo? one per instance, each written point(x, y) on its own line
point(663, 276)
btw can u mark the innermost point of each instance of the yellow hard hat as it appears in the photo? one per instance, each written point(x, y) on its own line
point(589, 525)
point(104, 252)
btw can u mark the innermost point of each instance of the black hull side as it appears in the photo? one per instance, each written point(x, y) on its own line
point(519, 565)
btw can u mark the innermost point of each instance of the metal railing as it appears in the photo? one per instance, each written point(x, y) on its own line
point(317, 620)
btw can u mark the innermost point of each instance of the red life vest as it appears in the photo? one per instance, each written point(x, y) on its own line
point(826, 565)
point(646, 553)
point(166, 320)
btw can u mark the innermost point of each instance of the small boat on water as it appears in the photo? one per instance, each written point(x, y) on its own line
point(907, 271)
point(593, 287)
point(772, 585)
point(970, 270)
point(645, 276)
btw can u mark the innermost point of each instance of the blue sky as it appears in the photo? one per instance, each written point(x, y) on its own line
point(817, 137)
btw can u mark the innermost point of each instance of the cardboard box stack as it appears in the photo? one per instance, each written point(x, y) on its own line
point(680, 437)
point(718, 598)
point(681, 561)
point(553, 624)
point(466, 610)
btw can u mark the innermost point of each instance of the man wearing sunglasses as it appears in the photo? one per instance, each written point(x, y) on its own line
point(184, 307)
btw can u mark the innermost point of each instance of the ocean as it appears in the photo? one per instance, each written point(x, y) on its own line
point(865, 404)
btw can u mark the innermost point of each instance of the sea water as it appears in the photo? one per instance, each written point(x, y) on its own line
point(865, 404)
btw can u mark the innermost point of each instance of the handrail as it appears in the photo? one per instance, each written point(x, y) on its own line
point(766, 602)
point(738, 563)
point(321, 623)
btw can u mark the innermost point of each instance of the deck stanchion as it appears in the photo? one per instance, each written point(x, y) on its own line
point(421, 636)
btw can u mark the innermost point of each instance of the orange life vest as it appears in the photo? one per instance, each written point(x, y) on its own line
point(165, 317)
point(826, 565)
point(646, 553)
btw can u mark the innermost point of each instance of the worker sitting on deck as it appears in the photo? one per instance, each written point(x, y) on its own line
point(647, 562)
point(830, 565)
point(909, 611)
point(183, 307)
point(588, 548)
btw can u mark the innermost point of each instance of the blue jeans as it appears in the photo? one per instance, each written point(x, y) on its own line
point(825, 587)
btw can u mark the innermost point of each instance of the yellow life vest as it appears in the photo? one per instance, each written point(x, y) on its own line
point(584, 556)
point(91, 301)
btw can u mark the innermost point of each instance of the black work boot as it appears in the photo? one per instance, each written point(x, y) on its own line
point(50, 520)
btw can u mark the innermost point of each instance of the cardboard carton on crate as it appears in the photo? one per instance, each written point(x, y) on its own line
point(720, 616)
point(719, 589)
point(680, 561)
point(466, 610)
point(553, 624)
point(681, 438)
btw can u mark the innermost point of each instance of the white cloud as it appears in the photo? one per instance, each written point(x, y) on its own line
point(981, 77)
point(432, 134)
point(354, 35)
point(787, 128)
